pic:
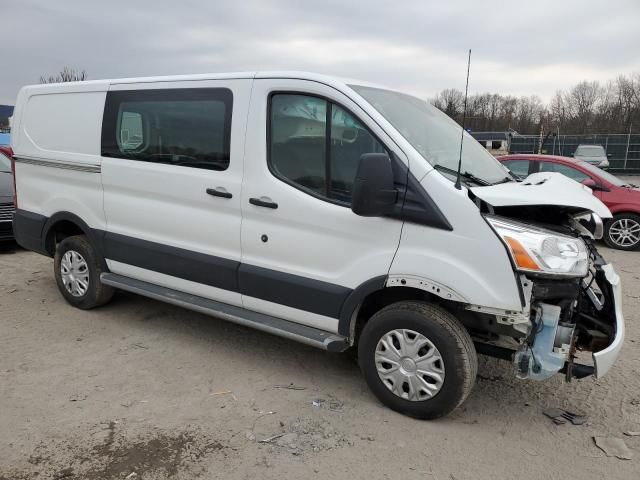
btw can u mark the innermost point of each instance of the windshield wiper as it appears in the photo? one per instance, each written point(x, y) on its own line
point(466, 175)
point(507, 180)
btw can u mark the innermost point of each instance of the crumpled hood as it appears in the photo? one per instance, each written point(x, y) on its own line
point(543, 188)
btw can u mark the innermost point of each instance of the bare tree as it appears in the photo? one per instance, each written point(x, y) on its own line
point(587, 107)
point(559, 109)
point(508, 112)
point(66, 75)
point(528, 111)
point(450, 101)
point(584, 98)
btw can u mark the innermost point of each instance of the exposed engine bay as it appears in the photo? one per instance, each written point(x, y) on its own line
point(567, 316)
point(564, 316)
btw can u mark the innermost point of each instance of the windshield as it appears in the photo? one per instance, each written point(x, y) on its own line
point(434, 135)
point(5, 164)
point(603, 174)
point(588, 151)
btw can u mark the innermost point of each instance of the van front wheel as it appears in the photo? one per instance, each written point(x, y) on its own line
point(77, 271)
point(417, 359)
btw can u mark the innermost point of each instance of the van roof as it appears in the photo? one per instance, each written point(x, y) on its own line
point(98, 85)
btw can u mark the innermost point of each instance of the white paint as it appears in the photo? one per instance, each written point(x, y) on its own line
point(168, 204)
point(604, 359)
point(470, 260)
point(47, 191)
point(308, 236)
point(61, 126)
point(543, 188)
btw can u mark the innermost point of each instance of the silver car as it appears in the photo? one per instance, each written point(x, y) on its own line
point(593, 154)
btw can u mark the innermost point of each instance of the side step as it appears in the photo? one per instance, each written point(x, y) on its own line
point(266, 323)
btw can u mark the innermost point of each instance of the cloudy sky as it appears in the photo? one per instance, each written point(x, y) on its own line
point(418, 46)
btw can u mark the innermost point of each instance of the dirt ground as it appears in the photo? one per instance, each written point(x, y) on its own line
point(140, 389)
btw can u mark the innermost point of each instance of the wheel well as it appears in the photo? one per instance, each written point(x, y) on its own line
point(58, 232)
point(623, 212)
point(379, 299)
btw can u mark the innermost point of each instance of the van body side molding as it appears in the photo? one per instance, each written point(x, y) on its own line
point(178, 262)
point(43, 162)
point(266, 323)
point(294, 291)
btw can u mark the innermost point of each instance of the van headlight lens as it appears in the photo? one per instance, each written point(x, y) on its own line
point(541, 251)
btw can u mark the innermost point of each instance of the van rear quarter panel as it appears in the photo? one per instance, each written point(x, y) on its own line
point(58, 130)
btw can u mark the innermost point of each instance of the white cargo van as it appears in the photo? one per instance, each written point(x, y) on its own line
point(321, 210)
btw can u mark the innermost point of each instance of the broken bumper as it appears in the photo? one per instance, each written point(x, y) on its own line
point(604, 359)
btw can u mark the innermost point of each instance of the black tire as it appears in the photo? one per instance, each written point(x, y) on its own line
point(631, 217)
point(97, 293)
point(449, 337)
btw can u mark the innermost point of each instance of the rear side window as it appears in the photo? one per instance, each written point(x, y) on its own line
point(184, 127)
point(572, 173)
point(316, 145)
point(520, 168)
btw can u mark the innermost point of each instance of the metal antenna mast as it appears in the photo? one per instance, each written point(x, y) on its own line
point(464, 120)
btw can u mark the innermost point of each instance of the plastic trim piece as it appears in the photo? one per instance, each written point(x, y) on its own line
point(266, 323)
point(42, 162)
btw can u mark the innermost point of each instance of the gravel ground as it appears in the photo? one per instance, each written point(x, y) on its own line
point(140, 389)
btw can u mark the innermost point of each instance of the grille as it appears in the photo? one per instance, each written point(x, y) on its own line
point(6, 211)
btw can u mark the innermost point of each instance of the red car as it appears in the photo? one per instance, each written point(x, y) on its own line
point(622, 198)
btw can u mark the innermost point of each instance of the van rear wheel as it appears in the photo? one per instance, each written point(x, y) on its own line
point(77, 270)
point(417, 359)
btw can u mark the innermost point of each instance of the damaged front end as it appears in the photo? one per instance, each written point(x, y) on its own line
point(570, 317)
point(571, 296)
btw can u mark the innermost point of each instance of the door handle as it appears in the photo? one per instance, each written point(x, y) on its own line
point(263, 203)
point(219, 192)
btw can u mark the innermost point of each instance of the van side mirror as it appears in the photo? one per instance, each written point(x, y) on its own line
point(374, 194)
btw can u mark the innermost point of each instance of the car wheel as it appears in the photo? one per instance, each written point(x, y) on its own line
point(77, 270)
point(623, 232)
point(417, 359)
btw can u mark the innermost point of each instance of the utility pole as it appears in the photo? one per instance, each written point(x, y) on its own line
point(541, 136)
point(626, 155)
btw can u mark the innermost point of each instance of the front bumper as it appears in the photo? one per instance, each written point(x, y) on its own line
point(604, 359)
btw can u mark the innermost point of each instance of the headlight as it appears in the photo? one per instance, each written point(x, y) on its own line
point(541, 251)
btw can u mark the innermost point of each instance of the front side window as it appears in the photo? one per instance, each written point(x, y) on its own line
point(316, 145)
point(572, 173)
point(184, 127)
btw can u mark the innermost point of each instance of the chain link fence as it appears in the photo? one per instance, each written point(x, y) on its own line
point(623, 150)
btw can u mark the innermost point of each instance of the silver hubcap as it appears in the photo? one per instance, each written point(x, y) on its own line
point(624, 232)
point(75, 273)
point(409, 365)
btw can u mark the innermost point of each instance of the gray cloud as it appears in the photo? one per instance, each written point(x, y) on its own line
point(418, 46)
